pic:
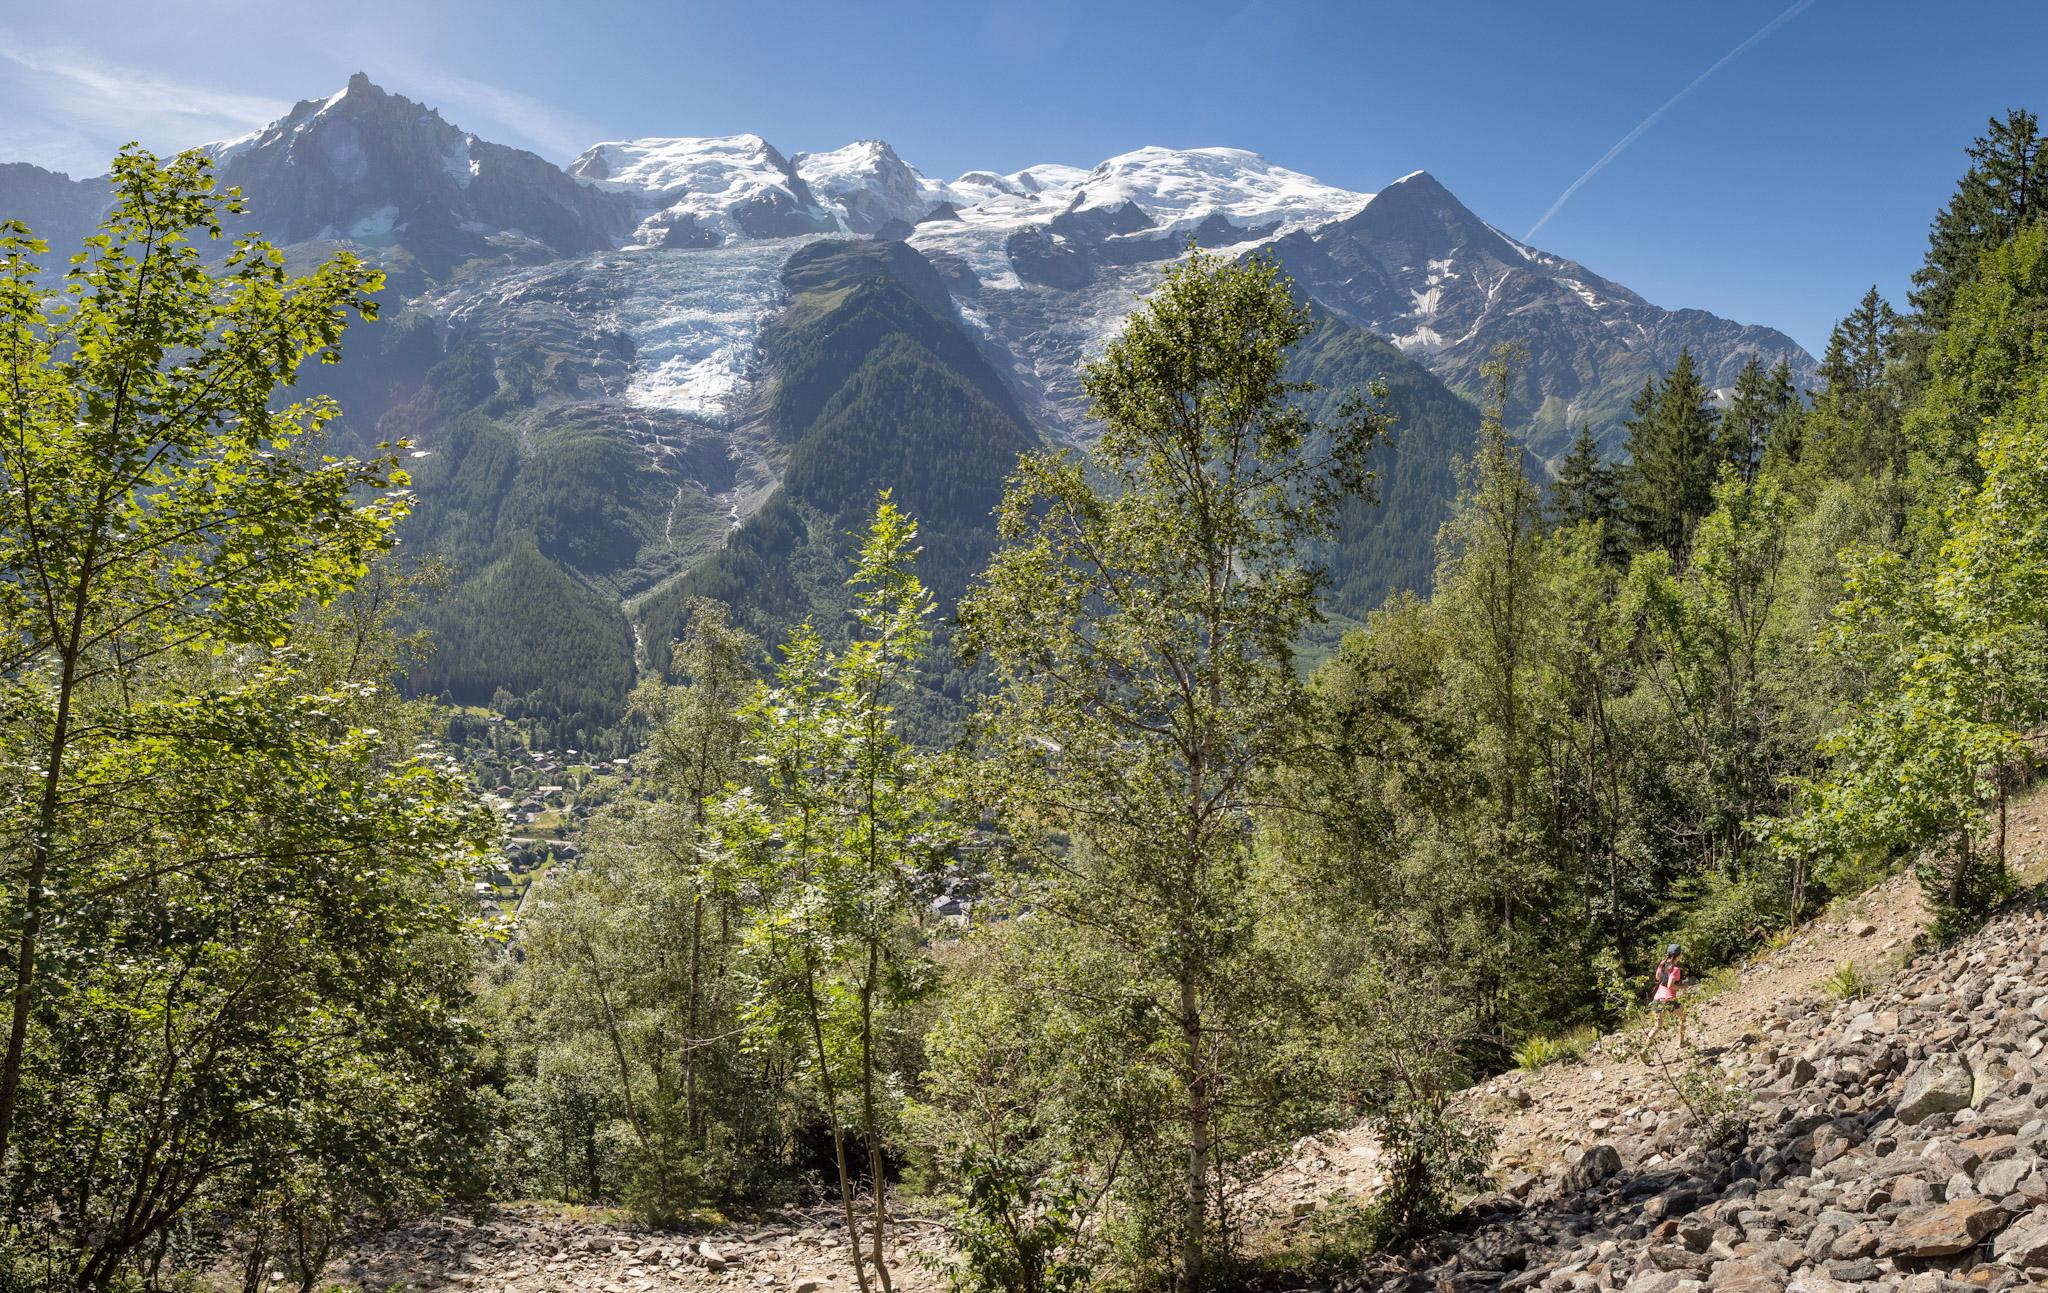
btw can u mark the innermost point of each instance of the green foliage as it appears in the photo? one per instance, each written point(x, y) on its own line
point(240, 950)
point(1141, 619)
point(1717, 1105)
point(527, 637)
point(1855, 429)
point(1541, 1051)
point(1015, 1232)
point(1847, 983)
point(2004, 189)
point(1672, 459)
point(1720, 919)
point(1587, 492)
point(843, 838)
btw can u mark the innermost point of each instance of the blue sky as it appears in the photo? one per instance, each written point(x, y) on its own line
point(1776, 191)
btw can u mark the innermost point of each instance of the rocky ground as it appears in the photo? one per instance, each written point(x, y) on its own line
point(1897, 1142)
point(532, 1248)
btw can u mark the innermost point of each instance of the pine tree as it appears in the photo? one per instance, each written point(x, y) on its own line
point(1673, 460)
point(1760, 406)
point(2005, 187)
point(1586, 490)
point(1860, 405)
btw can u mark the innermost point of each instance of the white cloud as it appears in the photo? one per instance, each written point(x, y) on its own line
point(73, 110)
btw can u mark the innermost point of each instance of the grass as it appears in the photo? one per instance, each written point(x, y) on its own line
point(1539, 1052)
point(1848, 983)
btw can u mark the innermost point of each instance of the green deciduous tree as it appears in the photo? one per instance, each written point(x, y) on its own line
point(1141, 618)
point(229, 868)
point(155, 497)
point(845, 840)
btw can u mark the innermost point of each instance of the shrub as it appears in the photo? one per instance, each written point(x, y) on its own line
point(1536, 1052)
point(1017, 1231)
point(1724, 918)
point(1847, 983)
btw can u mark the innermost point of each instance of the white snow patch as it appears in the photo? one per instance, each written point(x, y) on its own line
point(1180, 187)
point(377, 224)
point(707, 179)
point(865, 185)
point(459, 165)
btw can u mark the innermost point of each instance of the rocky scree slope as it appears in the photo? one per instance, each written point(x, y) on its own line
point(1899, 1142)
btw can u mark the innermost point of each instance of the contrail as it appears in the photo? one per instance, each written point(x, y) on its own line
point(1798, 8)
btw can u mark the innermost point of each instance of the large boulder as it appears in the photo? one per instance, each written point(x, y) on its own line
point(1943, 1084)
point(1597, 1164)
point(1944, 1229)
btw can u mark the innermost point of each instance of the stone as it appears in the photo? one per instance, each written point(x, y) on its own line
point(1747, 1275)
point(1996, 1180)
point(1943, 1084)
point(1597, 1164)
point(1943, 1229)
point(1674, 1202)
point(2025, 1242)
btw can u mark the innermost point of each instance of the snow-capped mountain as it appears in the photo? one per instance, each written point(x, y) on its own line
point(390, 175)
point(868, 188)
point(705, 192)
point(678, 365)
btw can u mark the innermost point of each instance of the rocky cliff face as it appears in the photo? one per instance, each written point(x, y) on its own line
point(382, 172)
point(1419, 268)
point(55, 207)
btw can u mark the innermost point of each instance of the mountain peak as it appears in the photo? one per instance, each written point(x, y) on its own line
point(1184, 186)
point(360, 84)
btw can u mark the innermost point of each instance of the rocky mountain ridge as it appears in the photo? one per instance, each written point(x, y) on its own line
point(1043, 261)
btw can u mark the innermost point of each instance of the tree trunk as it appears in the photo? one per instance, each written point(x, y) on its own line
point(870, 1125)
point(691, 1031)
point(1194, 1242)
point(860, 1272)
point(41, 845)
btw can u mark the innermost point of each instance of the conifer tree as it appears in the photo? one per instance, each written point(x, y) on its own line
point(1761, 404)
point(1673, 460)
point(2005, 187)
point(1857, 427)
point(1587, 489)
